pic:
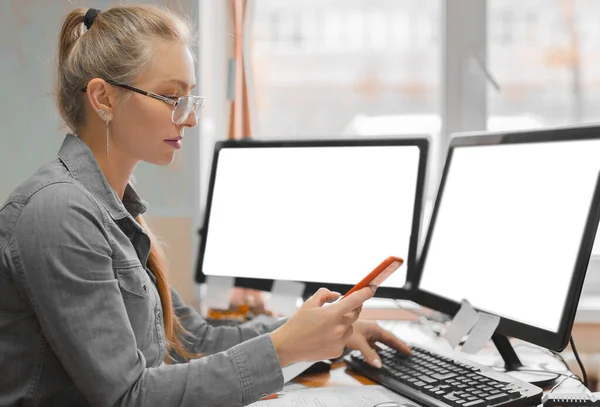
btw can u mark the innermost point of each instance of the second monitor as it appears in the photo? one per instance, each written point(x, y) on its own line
point(320, 212)
point(512, 231)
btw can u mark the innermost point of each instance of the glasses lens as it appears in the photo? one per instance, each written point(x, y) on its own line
point(185, 106)
point(183, 109)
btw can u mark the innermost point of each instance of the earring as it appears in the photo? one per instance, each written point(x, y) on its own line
point(106, 118)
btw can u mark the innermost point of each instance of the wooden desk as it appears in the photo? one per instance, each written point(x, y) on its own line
point(339, 375)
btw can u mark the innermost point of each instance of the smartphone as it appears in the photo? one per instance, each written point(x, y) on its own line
point(379, 275)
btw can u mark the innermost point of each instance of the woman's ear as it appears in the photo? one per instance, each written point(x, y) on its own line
point(102, 97)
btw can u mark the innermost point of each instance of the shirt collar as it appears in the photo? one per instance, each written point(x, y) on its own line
point(81, 163)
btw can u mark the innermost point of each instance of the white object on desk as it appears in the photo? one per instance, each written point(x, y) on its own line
point(461, 324)
point(347, 396)
point(284, 296)
point(481, 333)
point(218, 292)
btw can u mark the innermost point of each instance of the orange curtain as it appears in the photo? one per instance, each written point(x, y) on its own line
point(239, 120)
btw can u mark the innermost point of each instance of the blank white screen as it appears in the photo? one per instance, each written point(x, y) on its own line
point(509, 226)
point(312, 214)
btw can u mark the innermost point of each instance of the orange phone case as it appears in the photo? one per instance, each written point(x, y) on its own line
point(379, 275)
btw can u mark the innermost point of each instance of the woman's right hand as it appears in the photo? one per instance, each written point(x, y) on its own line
point(316, 332)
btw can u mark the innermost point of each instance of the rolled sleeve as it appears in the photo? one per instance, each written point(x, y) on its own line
point(258, 355)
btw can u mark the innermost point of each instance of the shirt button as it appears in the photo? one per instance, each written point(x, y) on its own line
point(145, 288)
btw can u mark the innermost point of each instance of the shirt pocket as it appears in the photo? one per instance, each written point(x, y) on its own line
point(134, 284)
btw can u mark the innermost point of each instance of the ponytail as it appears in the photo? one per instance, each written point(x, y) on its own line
point(174, 331)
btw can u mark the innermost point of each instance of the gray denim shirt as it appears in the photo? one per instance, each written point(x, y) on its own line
point(80, 315)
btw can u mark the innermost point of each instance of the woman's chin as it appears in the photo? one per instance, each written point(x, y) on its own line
point(164, 160)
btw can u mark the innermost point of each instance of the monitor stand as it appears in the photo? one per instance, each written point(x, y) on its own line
point(515, 368)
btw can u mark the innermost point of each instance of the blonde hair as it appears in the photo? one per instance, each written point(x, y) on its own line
point(118, 46)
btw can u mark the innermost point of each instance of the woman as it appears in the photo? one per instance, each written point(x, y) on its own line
point(87, 315)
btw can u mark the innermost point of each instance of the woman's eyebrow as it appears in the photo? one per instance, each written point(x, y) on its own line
point(180, 83)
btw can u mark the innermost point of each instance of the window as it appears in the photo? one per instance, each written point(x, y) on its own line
point(555, 81)
point(338, 67)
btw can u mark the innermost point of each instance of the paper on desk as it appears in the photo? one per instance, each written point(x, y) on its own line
point(481, 333)
point(463, 321)
point(292, 371)
point(284, 295)
point(347, 396)
point(218, 292)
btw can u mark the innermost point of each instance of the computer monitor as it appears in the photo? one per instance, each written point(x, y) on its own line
point(321, 212)
point(512, 231)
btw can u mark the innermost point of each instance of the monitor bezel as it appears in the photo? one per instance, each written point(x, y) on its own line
point(419, 141)
point(551, 340)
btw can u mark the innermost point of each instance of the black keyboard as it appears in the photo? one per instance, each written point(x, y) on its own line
point(434, 380)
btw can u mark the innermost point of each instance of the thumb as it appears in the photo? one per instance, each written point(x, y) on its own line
point(367, 351)
point(321, 297)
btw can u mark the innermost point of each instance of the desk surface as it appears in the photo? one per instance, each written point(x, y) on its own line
point(339, 375)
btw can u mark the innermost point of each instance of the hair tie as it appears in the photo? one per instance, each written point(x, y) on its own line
point(90, 17)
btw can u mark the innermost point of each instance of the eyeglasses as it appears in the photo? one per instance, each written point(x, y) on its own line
point(182, 105)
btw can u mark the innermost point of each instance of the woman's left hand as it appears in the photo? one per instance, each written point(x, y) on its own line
point(365, 336)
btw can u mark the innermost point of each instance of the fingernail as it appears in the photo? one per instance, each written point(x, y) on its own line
point(377, 363)
point(373, 288)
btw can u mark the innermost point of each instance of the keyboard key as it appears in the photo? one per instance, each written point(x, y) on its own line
point(512, 395)
point(427, 379)
point(443, 376)
point(450, 397)
point(475, 403)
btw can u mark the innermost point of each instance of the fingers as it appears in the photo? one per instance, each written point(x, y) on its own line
point(375, 346)
point(321, 297)
point(354, 300)
point(367, 351)
point(391, 340)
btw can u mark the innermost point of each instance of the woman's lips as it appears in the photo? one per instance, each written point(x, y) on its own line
point(174, 142)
